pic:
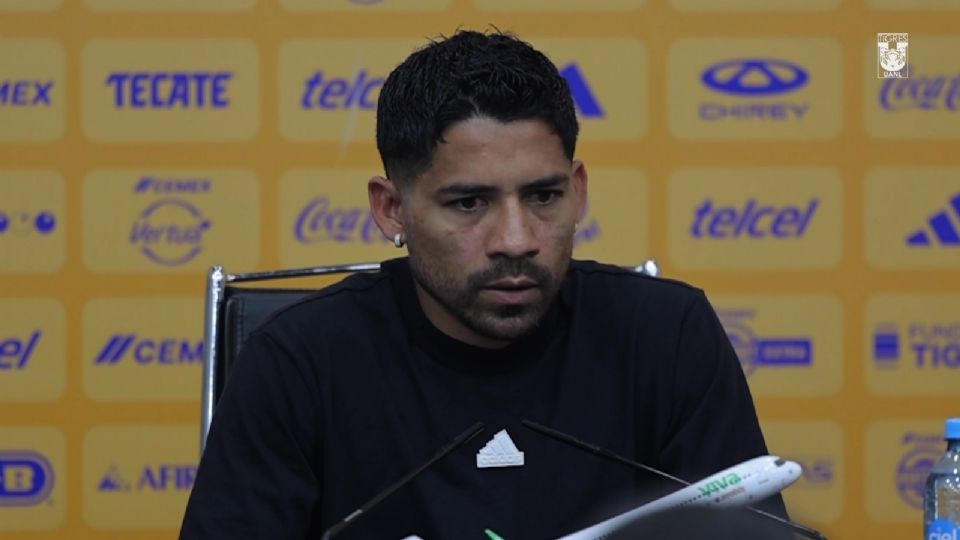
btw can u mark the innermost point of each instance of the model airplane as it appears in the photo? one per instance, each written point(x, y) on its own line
point(738, 486)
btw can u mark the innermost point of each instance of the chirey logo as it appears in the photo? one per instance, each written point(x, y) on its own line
point(892, 56)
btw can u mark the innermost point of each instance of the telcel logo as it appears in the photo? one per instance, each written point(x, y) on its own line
point(320, 221)
point(25, 93)
point(923, 92)
point(147, 351)
point(334, 93)
point(26, 478)
point(754, 78)
point(754, 220)
point(170, 230)
point(15, 352)
point(165, 477)
point(170, 90)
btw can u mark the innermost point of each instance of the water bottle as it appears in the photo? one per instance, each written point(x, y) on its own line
point(941, 494)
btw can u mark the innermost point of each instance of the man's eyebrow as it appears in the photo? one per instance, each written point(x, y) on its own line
point(469, 189)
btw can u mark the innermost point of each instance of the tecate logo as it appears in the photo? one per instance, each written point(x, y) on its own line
point(755, 77)
point(26, 478)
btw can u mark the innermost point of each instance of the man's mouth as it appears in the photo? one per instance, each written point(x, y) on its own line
point(512, 291)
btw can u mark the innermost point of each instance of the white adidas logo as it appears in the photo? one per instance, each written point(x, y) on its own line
point(500, 452)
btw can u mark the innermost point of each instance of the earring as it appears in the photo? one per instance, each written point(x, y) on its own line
point(398, 240)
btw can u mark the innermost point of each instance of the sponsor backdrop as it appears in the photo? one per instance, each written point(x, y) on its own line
point(751, 146)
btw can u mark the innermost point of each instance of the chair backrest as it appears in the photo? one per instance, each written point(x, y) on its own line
point(233, 312)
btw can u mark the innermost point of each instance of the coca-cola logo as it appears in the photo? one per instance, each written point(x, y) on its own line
point(924, 92)
point(322, 221)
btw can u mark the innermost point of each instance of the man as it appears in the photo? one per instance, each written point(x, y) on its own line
point(487, 320)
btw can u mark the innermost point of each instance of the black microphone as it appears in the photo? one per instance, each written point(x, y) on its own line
point(596, 450)
point(462, 438)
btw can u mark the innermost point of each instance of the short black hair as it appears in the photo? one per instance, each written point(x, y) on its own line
point(467, 75)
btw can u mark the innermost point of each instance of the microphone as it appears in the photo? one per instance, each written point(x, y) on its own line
point(596, 450)
point(470, 433)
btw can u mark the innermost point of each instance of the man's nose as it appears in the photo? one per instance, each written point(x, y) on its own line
point(514, 233)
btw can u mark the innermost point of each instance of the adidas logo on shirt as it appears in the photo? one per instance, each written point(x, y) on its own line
point(943, 224)
point(500, 452)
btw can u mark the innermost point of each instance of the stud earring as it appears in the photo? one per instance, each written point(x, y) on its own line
point(398, 240)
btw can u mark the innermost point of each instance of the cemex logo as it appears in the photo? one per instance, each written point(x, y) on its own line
point(25, 93)
point(944, 226)
point(170, 230)
point(156, 478)
point(763, 352)
point(325, 91)
point(920, 454)
point(16, 352)
point(921, 93)
point(929, 345)
point(748, 79)
point(198, 90)
point(754, 220)
point(23, 223)
point(26, 478)
point(321, 221)
point(148, 351)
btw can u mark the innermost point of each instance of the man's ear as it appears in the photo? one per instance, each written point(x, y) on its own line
point(580, 178)
point(385, 205)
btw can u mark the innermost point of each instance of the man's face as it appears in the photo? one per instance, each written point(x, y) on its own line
point(490, 228)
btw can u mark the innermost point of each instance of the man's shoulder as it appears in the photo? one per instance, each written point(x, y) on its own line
point(629, 285)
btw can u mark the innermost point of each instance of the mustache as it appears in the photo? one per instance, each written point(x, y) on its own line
point(509, 268)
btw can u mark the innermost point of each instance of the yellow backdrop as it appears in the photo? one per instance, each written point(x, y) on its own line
point(748, 145)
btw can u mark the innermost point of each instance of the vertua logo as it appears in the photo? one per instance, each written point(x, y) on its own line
point(322, 221)
point(757, 352)
point(149, 351)
point(170, 230)
point(943, 228)
point(16, 352)
point(920, 454)
point(26, 478)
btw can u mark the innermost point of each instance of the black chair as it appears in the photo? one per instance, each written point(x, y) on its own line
point(233, 312)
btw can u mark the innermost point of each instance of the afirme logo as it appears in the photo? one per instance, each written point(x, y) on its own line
point(165, 90)
point(322, 221)
point(16, 352)
point(147, 351)
point(892, 59)
point(155, 478)
point(26, 478)
point(771, 352)
point(920, 451)
point(753, 79)
point(942, 227)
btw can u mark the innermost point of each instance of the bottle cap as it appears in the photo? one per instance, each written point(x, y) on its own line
point(952, 430)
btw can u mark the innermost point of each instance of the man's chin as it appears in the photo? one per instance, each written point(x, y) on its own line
point(508, 323)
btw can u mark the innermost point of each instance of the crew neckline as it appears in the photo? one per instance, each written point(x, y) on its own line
point(461, 356)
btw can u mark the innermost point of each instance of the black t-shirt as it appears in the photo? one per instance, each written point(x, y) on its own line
point(344, 393)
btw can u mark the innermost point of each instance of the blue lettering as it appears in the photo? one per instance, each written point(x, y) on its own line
point(163, 90)
point(754, 220)
point(935, 355)
point(163, 185)
point(15, 353)
point(318, 222)
point(338, 93)
point(713, 112)
point(25, 93)
point(168, 351)
point(164, 477)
